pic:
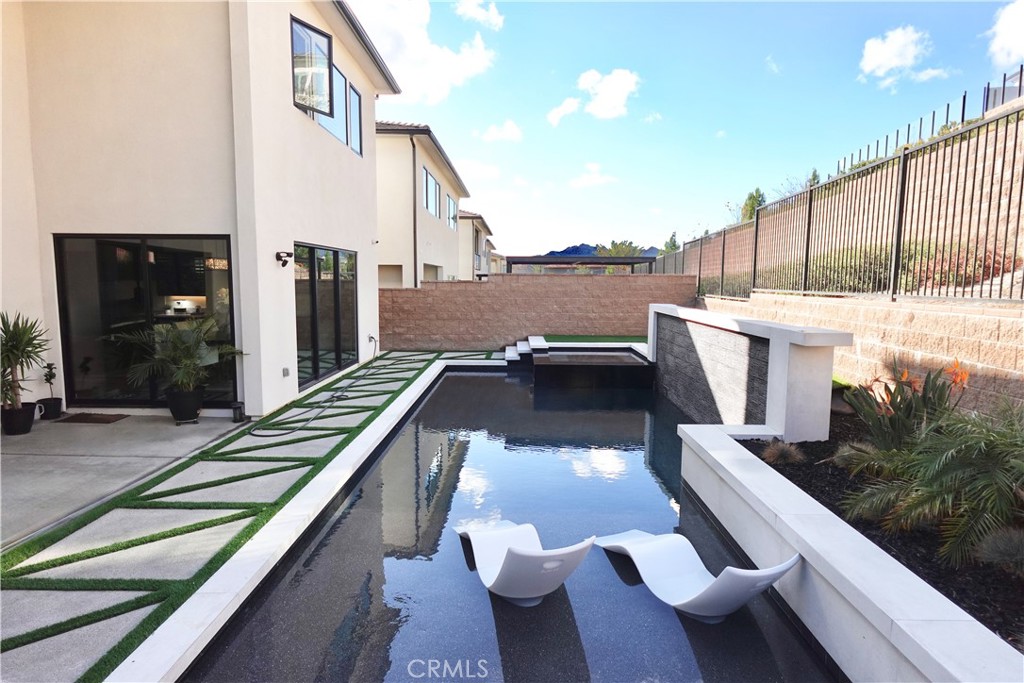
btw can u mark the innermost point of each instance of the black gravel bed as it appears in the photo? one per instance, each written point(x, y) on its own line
point(993, 596)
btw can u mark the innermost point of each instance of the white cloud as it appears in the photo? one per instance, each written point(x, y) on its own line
point(474, 10)
point(894, 56)
point(655, 211)
point(601, 463)
point(520, 181)
point(719, 134)
point(591, 177)
point(608, 93)
point(1007, 45)
point(771, 65)
point(425, 70)
point(568, 106)
point(653, 117)
point(507, 131)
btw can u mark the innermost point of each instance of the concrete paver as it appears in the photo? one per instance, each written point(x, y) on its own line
point(178, 557)
point(265, 489)
point(209, 471)
point(69, 655)
point(121, 525)
point(313, 448)
point(22, 611)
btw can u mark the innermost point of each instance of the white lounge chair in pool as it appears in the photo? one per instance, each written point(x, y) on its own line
point(511, 562)
point(673, 571)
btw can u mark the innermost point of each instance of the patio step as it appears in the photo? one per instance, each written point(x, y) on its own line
point(511, 354)
point(523, 347)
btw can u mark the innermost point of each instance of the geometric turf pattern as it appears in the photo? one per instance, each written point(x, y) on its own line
point(204, 509)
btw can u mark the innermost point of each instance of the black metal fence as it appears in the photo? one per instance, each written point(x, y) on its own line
point(943, 218)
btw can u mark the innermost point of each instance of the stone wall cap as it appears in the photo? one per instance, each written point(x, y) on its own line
point(801, 336)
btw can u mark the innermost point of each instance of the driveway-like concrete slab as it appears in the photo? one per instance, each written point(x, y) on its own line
point(58, 469)
point(24, 611)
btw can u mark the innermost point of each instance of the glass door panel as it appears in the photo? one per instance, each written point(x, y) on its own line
point(347, 341)
point(327, 313)
point(304, 319)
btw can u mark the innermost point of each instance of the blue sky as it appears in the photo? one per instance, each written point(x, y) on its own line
point(596, 121)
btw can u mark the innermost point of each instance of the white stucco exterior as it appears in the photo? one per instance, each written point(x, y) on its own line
point(177, 119)
point(415, 245)
point(474, 245)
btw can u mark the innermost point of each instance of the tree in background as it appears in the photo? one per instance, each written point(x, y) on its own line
point(754, 199)
point(813, 179)
point(671, 246)
point(624, 248)
point(794, 186)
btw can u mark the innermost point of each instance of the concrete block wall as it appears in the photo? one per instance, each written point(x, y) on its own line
point(491, 314)
point(986, 337)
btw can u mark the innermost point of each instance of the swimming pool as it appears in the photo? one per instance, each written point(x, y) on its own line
point(381, 589)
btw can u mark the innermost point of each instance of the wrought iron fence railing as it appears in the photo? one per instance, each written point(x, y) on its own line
point(943, 218)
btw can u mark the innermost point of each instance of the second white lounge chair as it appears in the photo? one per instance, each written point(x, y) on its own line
point(511, 562)
point(673, 571)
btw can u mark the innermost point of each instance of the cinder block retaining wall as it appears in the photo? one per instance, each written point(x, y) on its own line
point(488, 315)
point(715, 376)
point(987, 338)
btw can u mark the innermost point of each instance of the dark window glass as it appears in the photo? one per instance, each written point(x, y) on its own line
point(338, 124)
point(311, 68)
point(356, 119)
point(304, 318)
point(325, 310)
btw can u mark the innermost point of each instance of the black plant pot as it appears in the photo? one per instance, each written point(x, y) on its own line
point(185, 405)
point(52, 408)
point(18, 420)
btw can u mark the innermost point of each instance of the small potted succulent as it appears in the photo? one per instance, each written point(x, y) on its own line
point(22, 345)
point(52, 407)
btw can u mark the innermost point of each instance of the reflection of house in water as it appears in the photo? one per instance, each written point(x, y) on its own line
point(420, 479)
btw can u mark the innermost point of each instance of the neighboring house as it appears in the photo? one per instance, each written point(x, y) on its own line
point(159, 162)
point(474, 246)
point(497, 261)
point(417, 206)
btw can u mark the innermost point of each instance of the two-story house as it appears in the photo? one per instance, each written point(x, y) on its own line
point(417, 206)
point(474, 246)
point(163, 161)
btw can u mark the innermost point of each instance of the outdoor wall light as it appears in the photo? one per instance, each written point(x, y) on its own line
point(283, 257)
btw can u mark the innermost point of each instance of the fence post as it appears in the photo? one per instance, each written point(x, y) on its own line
point(897, 247)
point(807, 243)
point(753, 264)
point(700, 260)
point(721, 276)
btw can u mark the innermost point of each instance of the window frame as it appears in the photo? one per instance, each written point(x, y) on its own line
point(295, 21)
point(320, 118)
point(354, 125)
point(431, 191)
point(453, 212)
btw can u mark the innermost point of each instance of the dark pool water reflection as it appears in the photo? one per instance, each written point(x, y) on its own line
point(384, 590)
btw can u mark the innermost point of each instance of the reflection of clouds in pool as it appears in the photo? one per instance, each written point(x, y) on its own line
point(597, 462)
point(484, 521)
point(474, 485)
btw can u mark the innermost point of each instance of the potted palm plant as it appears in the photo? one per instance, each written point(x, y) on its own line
point(182, 354)
point(22, 347)
point(52, 407)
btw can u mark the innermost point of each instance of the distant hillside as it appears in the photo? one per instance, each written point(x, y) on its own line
point(590, 250)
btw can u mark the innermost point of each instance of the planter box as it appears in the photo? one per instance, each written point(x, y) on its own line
point(874, 617)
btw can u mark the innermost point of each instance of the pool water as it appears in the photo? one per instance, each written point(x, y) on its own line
point(382, 590)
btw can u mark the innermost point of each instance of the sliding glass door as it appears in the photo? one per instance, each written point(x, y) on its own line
point(109, 284)
point(325, 311)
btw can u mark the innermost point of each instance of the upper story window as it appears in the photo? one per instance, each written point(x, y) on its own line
point(431, 193)
point(453, 214)
point(356, 117)
point(312, 88)
point(337, 125)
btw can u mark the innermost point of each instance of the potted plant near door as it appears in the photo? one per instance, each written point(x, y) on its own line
point(22, 347)
point(182, 354)
point(52, 407)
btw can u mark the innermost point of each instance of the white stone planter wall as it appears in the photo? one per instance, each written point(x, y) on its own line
point(876, 618)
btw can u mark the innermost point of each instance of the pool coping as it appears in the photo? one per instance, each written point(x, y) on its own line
point(172, 647)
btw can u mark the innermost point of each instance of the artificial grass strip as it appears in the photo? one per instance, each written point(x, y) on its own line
point(179, 591)
point(273, 443)
point(82, 620)
point(213, 483)
point(297, 459)
point(583, 338)
point(125, 545)
point(189, 505)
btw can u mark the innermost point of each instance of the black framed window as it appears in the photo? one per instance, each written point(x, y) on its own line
point(431, 193)
point(453, 213)
point(325, 311)
point(312, 57)
point(109, 284)
point(356, 119)
point(337, 125)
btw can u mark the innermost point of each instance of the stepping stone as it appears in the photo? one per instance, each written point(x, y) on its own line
point(310, 448)
point(511, 353)
point(264, 489)
point(204, 471)
point(22, 611)
point(523, 347)
point(178, 557)
point(297, 416)
point(380, 385)
point(358, 399)
point(123, 524)
point(410, 354)
point(333, 421)
point(67, 656)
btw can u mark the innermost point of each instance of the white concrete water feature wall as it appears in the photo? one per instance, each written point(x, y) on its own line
point(878, 620)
